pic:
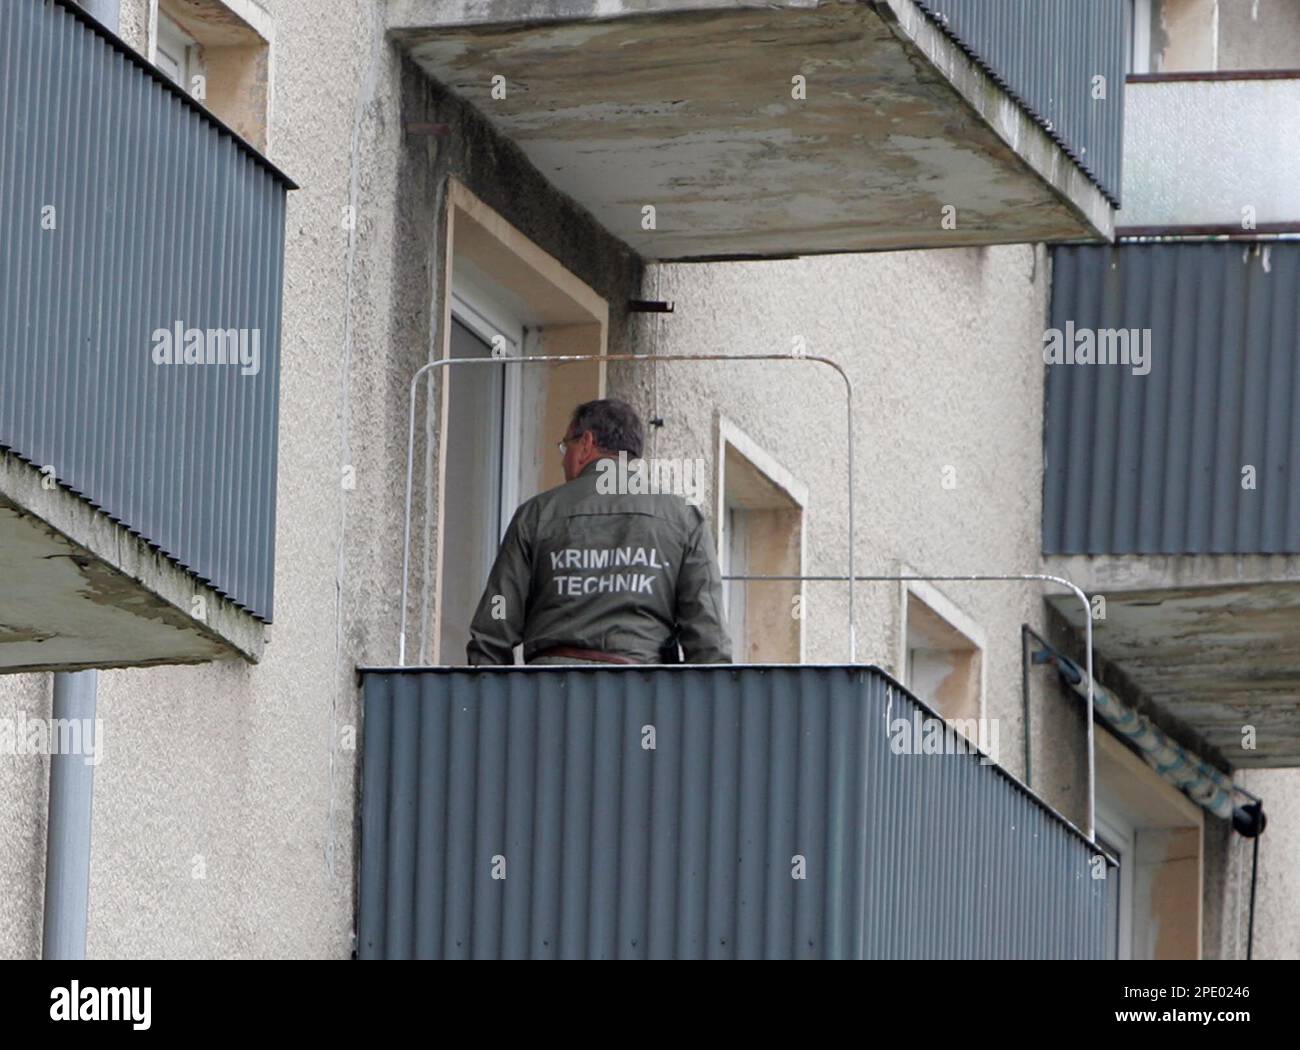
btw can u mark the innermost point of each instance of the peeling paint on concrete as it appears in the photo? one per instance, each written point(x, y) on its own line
point(10, 633)
point(115, 591)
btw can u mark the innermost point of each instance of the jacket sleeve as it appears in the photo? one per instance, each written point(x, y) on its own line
point(700, 623)
point(498, 624)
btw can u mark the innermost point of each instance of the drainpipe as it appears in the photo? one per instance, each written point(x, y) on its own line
point(72, 777)
point(67, 837)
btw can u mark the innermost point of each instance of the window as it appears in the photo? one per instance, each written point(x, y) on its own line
point(219, 52)
point(482, 458)
point(497, 425)
point(943, 652)
point(174, 52)
point(735, 562)
point(1139, 37)
point(1115, 834)
point(761, 521)
point(1155, 832)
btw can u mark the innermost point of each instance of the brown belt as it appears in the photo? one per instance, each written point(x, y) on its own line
point(573, 653)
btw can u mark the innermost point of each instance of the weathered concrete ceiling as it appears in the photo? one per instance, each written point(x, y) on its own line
point(231, 23)
point(84, 592)
point(1216, 659)
point(688, 107)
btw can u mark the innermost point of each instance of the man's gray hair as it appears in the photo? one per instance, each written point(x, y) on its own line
point(614, 423)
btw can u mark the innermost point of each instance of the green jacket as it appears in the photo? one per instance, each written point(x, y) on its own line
point(608, 571)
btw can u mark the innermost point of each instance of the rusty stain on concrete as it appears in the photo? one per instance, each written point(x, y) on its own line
point(10, 633)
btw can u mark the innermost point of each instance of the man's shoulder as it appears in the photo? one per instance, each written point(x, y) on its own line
point(531, 511)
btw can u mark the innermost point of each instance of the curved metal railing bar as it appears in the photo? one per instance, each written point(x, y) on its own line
point(982, 578)
point(558, 359)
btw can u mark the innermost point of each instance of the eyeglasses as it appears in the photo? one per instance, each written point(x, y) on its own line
point(563, 444)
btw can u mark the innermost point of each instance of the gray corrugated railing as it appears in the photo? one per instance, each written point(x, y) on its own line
point(1157, 463)
point(667, 812)
point(1047, 54)
point(126, 209)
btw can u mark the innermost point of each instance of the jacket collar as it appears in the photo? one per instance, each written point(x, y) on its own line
point(594, 466)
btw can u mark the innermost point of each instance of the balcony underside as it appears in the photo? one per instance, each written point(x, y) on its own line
point(80, 591)
point(1213, 658)
point(690, 111)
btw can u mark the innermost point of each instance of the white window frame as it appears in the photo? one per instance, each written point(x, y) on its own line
point(167, 37)
point(943, 607)
point(1116, 827)
point(1140, 44)
point(255, 17)
point(482, 313)
point(733, 594)
point(1134, 801)
point(766, 464)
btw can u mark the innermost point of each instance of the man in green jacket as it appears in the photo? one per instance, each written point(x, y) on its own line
point(590, 574)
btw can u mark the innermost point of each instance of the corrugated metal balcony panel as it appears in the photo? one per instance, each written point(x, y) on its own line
point(163, 215)
point(1152, 464)
point(1046, 55)
point(611, 850)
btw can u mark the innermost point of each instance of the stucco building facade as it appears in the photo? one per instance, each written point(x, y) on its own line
point(225, 806)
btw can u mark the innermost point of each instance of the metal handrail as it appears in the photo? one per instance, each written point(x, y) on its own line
point(983, 578)
point(851, 578)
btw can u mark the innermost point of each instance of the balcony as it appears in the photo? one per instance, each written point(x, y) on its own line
point(693, 812)
point(731, 129)
point(140, 308)
point(1172, 484)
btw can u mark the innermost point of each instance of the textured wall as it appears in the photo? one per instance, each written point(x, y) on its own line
point(24, 801)
point(1199, 35)
point(1277, 895)
point(1259, 34)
